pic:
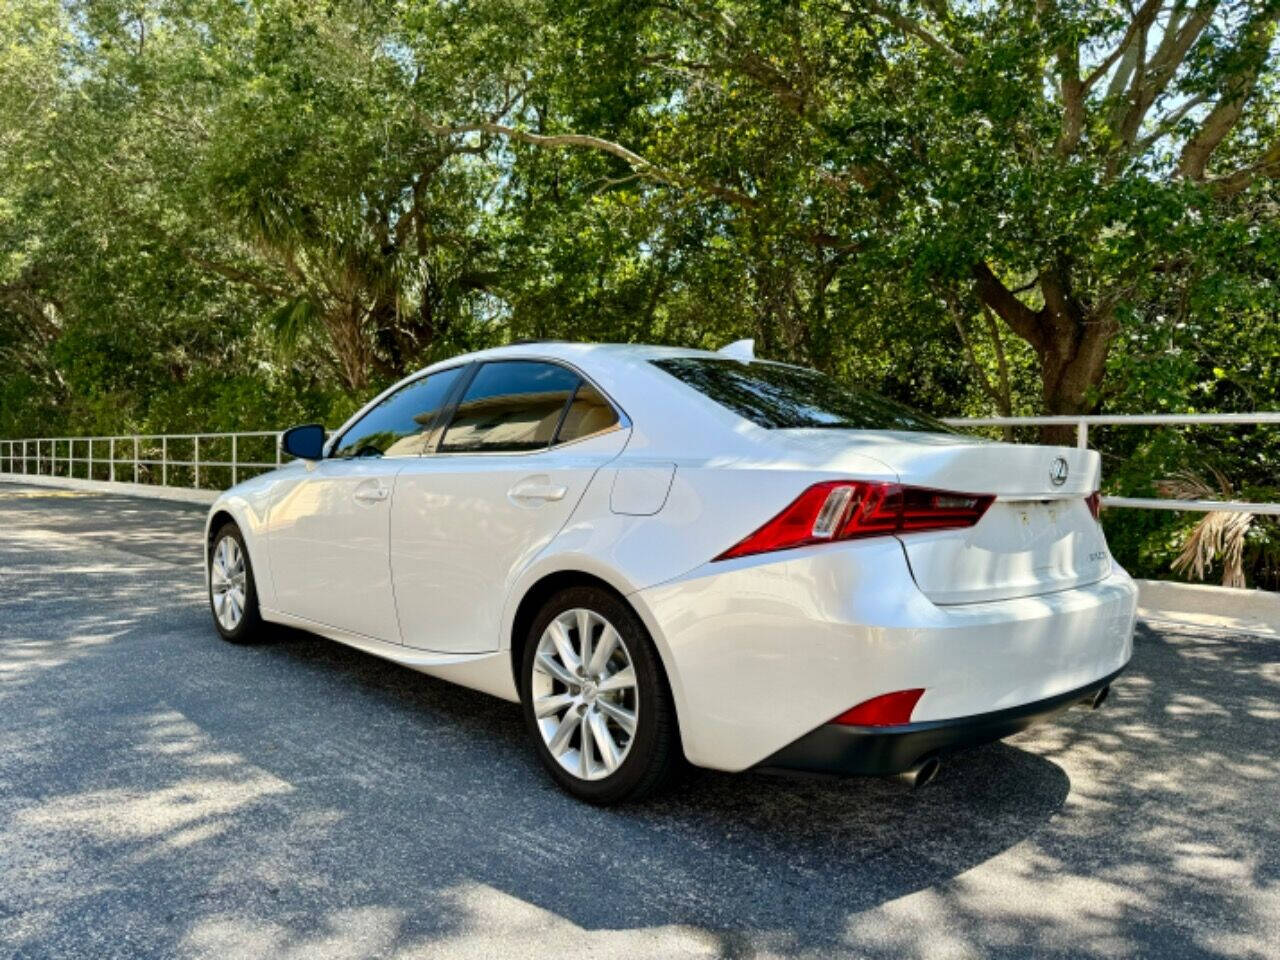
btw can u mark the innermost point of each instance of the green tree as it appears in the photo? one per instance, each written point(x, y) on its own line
point(1058, 165)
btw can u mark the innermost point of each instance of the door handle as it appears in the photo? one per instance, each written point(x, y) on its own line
point(371, 494)
point(536, 490)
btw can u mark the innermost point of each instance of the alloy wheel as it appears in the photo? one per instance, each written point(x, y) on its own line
point(585, 695)
point(227, 583)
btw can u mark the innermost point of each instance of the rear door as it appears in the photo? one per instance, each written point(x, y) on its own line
point(328, 535)
point(507, 472)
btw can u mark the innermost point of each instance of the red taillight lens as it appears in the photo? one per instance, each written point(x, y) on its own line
point(850, 509)
point(886, 710)
point(1094, 500)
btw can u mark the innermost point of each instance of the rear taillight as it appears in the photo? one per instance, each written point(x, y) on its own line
point(1094, 502)
point(886, 710)
point(850, 509)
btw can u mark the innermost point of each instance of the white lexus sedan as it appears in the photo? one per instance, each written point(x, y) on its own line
point(670, 555)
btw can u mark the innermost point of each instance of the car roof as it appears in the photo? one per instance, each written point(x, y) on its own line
point(574, 350)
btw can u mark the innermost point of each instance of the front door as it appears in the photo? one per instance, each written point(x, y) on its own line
point(328, 543)
point(329, 531)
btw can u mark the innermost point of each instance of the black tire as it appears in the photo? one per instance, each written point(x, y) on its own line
point(250, 628)
point(655, 757)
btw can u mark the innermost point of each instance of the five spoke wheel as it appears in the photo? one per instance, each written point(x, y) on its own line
point(585, 695)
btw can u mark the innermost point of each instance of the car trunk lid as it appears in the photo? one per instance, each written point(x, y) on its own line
point(1039, 536)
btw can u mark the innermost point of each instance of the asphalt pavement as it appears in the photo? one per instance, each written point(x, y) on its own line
point(164, 794)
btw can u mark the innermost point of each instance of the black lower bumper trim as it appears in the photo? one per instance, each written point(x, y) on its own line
point(875, 751)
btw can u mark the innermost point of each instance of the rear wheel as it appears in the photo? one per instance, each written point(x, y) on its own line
point(233, 596)
point(595, 699)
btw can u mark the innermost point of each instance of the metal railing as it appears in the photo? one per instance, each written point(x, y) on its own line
point(203, 459)
point(1084, 422)
point(56, 456)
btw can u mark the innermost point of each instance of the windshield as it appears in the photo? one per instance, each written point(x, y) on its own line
point(779, 396)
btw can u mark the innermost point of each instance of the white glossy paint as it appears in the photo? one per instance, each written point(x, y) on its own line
point(327, 545)
point(464, 525)
point(1022, 606)
point(830, 626)
point(640, 489)
point(1021, 547)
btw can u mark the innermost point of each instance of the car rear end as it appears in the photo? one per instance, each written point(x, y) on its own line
point(865, 622)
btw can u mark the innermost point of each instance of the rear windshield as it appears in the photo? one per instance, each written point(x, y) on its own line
point(779, 396)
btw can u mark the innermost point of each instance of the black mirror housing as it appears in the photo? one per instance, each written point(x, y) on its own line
point(305, 442)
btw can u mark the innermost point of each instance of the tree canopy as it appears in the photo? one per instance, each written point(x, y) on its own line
point(237, 213)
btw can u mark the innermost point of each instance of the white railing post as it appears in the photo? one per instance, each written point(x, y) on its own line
point(234, 467)
point(89, 475)
point(1082, 435)
point(164, 461)
point(111, 452)
point(195, 458)
point(279, 449)
point(135, 459)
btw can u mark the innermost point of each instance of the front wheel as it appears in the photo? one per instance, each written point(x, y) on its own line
point(233, 596)
point(595, 699)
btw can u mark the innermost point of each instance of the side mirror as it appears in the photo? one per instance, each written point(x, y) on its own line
point(305, 442)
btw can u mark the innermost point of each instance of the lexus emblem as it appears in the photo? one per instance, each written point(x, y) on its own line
point(1058, 471)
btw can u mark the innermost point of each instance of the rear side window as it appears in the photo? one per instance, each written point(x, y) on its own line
point(779, 396)
point(400, 425)
point(511, 405)
point(589, 413)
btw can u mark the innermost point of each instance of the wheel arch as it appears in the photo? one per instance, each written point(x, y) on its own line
point(218, 519)
point(550, 583)
point(537, 594)
point(249, 517)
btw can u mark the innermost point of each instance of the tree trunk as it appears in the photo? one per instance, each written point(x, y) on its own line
point(1070, 340)
point(1072, 368)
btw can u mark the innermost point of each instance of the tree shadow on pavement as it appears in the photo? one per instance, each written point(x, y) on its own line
point(163, 793)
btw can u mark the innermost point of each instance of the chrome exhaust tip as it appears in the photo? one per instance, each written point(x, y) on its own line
point(922, 774)
point(1100, 697)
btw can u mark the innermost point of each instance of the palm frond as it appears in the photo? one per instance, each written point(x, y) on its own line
point(289, 321)
point(1217, 536)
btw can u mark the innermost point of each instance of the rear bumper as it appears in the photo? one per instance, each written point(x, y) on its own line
point(875, 751)
point(761, 651)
